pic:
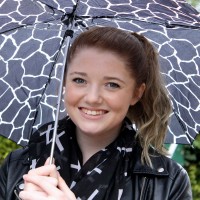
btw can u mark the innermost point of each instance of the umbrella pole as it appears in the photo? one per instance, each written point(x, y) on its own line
point(70, 22)
point(68, 38)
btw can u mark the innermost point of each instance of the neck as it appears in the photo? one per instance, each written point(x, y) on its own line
point(90, 144)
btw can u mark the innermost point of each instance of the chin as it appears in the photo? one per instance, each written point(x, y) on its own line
point(89, 132)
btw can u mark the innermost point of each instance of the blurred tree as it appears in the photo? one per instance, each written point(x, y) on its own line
point(6, 146)
point(195, 3)
point(192, 165)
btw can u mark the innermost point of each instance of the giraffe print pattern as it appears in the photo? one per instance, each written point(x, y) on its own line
point(31, 57)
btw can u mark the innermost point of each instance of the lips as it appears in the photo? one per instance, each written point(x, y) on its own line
point(93, 112)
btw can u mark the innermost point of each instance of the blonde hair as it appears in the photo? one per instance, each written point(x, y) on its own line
point(151, 112)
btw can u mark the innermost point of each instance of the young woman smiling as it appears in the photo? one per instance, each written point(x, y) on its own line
point(112, 82)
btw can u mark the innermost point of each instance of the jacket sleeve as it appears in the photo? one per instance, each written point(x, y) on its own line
point(3, 177)
point(14, 167)
point(181, 187)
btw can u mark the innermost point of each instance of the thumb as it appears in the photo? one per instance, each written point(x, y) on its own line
point(47, 162)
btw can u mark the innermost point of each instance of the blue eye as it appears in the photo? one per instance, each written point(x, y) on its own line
point(79, 80)
point(113, 85)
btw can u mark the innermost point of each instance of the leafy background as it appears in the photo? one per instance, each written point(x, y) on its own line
point(186, 155)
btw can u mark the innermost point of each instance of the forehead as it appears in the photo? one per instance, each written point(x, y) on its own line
point(97, 50)
point(99, 61)
point(94, 54)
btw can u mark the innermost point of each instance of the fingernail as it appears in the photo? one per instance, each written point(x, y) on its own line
point(48, 161)
point(24, 176)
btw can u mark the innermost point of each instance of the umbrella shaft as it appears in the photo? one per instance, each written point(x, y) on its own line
point(68, 38)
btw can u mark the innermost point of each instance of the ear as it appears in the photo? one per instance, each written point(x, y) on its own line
point(138, 94)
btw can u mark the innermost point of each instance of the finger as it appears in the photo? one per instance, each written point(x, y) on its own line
point(30, 187)
point(51, 190)
point(45, 184)
point(47, 170)
point(27, 195)
point(48, 161)
point(62, 185)
point(51, 180)
point(64, 188)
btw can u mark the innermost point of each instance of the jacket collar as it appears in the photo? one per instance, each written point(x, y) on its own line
point(158, 162)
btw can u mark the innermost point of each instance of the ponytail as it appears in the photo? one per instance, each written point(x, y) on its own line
point(154, 107)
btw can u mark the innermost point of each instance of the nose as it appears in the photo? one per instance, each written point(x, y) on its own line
point(93, 95)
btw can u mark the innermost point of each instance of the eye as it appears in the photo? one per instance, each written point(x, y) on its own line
point(79, 80)
point(113, 85)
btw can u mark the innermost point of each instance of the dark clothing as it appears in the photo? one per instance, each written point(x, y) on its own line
point(115, 172)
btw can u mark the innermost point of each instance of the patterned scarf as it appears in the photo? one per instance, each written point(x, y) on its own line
point(102, 176)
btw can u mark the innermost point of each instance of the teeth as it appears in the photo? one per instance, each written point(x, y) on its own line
point(92, 112)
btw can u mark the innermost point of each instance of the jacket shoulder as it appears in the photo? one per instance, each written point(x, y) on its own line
point(167, 178)
point(13, 168)
point(19, 154)
point(178, 179)
point(172, 167)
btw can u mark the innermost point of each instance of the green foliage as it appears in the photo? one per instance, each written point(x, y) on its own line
point(192, 165)
point(194, 3)
point(6, 146)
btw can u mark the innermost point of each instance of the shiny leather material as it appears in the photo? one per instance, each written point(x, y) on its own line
point(166, 181)
point(11, 172)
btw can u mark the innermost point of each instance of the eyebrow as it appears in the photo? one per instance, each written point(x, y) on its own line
point(108, 78)
point(113, 78)
point(78, 73)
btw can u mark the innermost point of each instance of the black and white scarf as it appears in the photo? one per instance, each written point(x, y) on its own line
point(102, 176)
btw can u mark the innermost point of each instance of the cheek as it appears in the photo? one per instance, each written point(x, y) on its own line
point(118, 104)
point(71, 96)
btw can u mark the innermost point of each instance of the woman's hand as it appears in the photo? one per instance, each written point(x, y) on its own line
point(45, 183)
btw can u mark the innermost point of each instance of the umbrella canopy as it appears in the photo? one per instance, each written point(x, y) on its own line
point(32, 35)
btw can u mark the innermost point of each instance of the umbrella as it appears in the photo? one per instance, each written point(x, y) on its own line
point(35, 35)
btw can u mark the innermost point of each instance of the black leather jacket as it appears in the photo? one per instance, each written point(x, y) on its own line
point(167, 180)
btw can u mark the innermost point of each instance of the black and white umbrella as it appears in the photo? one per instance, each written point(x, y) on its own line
point(34, 38)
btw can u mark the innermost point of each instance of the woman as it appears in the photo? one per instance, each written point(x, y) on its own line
point(112, 81)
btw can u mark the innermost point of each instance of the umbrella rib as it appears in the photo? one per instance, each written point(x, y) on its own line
point(50, 7)
point(37, 4)
point(183, 127)
point(48, 81)
point(168, 24)
point(25, 26)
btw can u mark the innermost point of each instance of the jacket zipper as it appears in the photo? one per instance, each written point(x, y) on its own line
point(144, 186)
point(15, 191)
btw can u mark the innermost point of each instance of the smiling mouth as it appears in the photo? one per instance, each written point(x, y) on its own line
point(93, 112)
